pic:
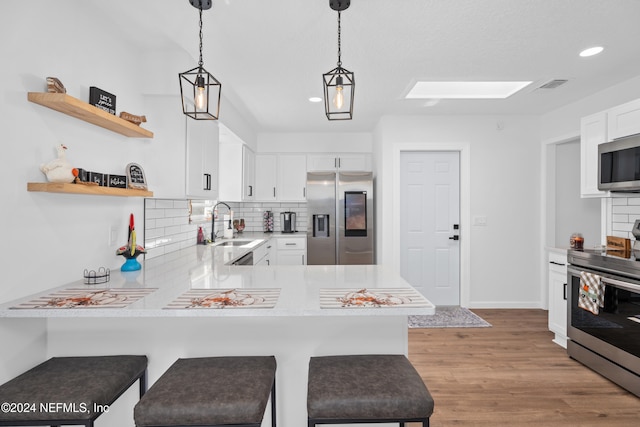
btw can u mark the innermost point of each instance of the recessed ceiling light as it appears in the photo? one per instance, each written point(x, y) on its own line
point(315, 99)
point(591, 51)
point(465, 90)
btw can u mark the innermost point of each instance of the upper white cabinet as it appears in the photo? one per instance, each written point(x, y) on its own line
point(248, 174)
point(281, 177)
point(237, 173)
point(266, 177)
point(593, 131)
point(292, 177)
point(202, 144)
point(624, 120)
point(333, 162)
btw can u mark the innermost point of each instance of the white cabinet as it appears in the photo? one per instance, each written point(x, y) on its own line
point(263, 254)
point(291, 250)
point(623, 120)
point(248, 174)
point(343, 161)
point(593, 131)
point(266, 177)
point(281, 177)
point(292, 177)
point(237, 173)
point(558, 297)
point(202, 145)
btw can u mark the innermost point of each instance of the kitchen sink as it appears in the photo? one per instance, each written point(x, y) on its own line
point(234, 243)
point(242, 243)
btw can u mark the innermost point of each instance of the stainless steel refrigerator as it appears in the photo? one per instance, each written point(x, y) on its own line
point(340, 212)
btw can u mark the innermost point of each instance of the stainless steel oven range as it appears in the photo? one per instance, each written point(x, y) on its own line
point(607, 342)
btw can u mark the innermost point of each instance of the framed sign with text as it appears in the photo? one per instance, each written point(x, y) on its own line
point(103, 100)
point(135, 177)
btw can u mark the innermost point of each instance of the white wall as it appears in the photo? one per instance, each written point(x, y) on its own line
point(504, 176)
point(564, 123)
point(573, 214)
point(49, 239)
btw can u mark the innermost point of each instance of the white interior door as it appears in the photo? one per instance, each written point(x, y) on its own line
point(429, 224)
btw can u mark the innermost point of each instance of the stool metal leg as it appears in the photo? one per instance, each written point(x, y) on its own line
point(143, 383)
point(273, 404)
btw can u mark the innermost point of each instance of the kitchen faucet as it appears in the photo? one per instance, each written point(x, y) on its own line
point(213, 219)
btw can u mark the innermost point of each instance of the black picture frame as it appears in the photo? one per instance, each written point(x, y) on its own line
point(136, 177)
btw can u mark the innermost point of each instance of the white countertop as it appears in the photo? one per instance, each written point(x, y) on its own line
point(206, 267)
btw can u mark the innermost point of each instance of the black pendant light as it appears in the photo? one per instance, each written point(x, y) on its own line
point(339, 83)
point(200, 91)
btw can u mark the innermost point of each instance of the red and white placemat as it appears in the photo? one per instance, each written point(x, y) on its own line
point(227, 298)
point(85, 298)
point(360, 298)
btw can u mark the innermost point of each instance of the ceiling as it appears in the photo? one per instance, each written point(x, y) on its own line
point(270, 55)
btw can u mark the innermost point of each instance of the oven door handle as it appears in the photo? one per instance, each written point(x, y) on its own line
point(624, 285)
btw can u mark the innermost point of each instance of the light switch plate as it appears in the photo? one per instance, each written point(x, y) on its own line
point(480, 221)
point(113, 235)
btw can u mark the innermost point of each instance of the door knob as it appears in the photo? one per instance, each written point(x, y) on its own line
point(454, 238)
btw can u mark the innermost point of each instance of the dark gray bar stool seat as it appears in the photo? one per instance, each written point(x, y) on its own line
point(211, 391)
point(70, 390)
point(366, 388)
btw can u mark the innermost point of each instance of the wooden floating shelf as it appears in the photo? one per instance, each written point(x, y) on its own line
point(55, 187)
point(81, 110)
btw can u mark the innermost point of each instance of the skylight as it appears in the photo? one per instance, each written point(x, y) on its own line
point(465, 90)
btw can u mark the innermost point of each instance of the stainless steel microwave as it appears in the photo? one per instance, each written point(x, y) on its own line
point(619, 165)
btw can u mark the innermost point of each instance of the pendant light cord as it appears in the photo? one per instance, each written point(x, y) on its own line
point(339, 51)
point(200, 63)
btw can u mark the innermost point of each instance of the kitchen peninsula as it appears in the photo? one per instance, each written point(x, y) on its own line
point(296, 327)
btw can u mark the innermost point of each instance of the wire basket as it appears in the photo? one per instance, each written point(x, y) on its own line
point(92, 277)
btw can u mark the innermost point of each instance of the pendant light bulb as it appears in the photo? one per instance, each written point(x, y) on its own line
point(201, 94)
point(338, 99)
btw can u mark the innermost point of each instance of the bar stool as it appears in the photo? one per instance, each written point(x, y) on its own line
point(366, 388)
point(69, 390)
point(211, 391)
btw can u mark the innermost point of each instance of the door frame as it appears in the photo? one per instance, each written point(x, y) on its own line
point(465, 213)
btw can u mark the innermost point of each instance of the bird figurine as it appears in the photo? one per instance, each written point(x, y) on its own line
point(59, 170)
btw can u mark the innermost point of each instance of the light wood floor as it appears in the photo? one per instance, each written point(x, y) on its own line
point(513, 375)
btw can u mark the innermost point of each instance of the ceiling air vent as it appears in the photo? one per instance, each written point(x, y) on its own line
point(552, 84)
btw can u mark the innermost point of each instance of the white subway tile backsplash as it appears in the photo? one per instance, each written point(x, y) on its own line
point(153, 213)
point(167, 227)
point(620, 218)
point(621, 226)
point(624, 212)
point(634, 209)
point(164, 203)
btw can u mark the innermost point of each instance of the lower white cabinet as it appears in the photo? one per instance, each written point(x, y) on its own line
point(291, 250)
point(558, 297)
point(263, 254)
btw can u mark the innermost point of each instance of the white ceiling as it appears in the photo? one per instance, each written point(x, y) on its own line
point(270, 55)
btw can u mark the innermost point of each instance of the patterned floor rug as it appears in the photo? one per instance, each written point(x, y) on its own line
point(449, 317)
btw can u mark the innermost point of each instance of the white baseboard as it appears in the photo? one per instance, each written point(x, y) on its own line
point(505, 304)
